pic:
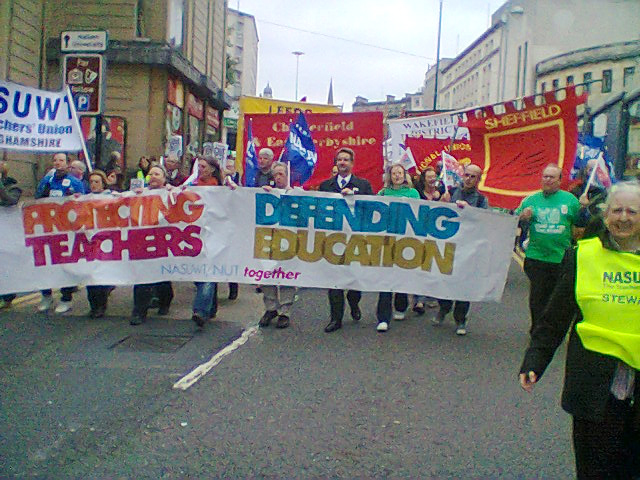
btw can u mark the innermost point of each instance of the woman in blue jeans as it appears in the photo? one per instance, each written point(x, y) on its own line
point(205, 303)
point(397, 184)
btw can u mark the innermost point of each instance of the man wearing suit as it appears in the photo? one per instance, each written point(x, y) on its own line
point(347, 184)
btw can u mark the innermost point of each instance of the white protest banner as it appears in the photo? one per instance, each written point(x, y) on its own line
point(247, 235)
point(38, 121)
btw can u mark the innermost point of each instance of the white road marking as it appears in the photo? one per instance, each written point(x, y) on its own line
point(201, 370)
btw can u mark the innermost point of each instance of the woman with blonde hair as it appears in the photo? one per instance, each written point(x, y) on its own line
point(397, 184)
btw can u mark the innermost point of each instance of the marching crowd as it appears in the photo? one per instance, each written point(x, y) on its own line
point(566, 281)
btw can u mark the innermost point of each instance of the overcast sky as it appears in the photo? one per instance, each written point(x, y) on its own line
point(409, 26)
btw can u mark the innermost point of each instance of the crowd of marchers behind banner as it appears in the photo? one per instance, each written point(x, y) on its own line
point(574, 287)
point(68, 177)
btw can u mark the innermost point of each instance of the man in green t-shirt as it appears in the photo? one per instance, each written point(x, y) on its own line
point(551, 214)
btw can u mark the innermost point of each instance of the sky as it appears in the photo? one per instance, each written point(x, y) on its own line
point(390, 27)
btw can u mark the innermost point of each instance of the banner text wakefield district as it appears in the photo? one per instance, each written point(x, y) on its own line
point(306, 239)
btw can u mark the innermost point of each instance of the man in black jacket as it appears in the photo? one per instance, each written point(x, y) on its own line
point(347, 184)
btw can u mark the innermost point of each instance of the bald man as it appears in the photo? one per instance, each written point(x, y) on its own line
point(466, 195)
point(551, 213)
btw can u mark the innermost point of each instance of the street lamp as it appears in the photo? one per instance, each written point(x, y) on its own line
point(297, 54)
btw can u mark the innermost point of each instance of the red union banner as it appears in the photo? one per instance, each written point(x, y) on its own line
point(514, 147)
point(361, 132)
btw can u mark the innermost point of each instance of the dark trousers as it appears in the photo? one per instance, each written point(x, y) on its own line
point(98, 296)
point(9, 297)
point(142, 296)
point(542, 277)
point(610, 448)
point(384, 310)
point(233, 290)
point(66, 293)
point(460, 309)
point(336, 301)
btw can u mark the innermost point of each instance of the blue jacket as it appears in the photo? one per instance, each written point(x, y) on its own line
point(52, 186)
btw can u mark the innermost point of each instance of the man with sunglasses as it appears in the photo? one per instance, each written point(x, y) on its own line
point(466, 195)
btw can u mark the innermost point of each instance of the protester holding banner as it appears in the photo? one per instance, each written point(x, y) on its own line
point(594, 300)
point(278, 299)
point(9, 191)
point(79, 169)
point(397, 184)
point(347, 184)
point(175, 176)
point(205, 303)
point(58, 183)
point(143, 293)
point(429, 188)
point(591, 196)
point(115, 180)
point(551, 214)
point(98, 295)
point(144, 166)
point(466, 195)
point(9, 196)
point(232, 179)
point(263, 176)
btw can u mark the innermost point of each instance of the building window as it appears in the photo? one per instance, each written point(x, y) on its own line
point(176, 19)
point(586, 79)
point(139, 19)
point(543, 87)
point(570, 80)
point(555, 83)
point(607, 80)
point(628, 76)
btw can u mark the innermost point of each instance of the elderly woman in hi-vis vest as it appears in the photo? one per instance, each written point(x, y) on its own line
point(597, 299)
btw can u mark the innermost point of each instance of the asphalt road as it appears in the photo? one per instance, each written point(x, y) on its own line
point(84, 398)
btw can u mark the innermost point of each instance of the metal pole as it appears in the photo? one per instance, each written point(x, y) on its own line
point(297, 54)
point(435, 93)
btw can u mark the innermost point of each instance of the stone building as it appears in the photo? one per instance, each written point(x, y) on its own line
point(501, 64)
point(165, 69)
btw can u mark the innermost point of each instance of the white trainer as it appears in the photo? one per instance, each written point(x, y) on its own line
point(45, 303)
point(398, 315)
point(461, 329)
point(382, 327)
point(63, 307)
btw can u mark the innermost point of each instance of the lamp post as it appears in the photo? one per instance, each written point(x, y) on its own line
point(297, 54)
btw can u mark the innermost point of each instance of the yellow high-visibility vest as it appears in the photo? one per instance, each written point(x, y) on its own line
point(608, 294)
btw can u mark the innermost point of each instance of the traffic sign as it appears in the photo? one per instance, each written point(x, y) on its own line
point(84, 75)
point(84, 41)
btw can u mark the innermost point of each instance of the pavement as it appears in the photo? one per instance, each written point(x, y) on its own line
point(85, 398)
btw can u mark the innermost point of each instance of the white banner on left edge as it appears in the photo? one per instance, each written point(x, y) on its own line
point(37, 121)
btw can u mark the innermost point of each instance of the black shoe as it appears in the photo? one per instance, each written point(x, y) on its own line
point(269, 315)
point(163, 311)
point(97, 313)
point(356, 314)
point(333, 326)
point(283, 321)
point(198, 320)
point(233, 292)
point(137, 320)
point(419, 308)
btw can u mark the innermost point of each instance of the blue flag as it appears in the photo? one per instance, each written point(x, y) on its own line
point(300, 151)
point(250, 160)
